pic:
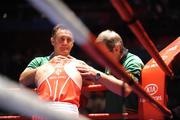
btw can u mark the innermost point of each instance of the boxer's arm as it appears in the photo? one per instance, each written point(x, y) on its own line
point(27, 76)
point(109, 81)
point(114, 84)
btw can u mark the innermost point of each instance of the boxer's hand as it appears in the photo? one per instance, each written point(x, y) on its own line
point(87, 72)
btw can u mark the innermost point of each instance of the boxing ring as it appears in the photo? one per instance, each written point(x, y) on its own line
point(152, 88)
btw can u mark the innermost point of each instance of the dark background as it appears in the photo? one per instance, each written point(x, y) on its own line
point(25, 32)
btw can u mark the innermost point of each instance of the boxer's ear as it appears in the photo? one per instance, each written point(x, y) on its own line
point(52, 41)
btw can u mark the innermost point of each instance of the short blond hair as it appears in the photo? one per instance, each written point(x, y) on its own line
point(110, 38)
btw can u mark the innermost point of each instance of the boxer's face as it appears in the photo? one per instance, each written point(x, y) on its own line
point(62, 42)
